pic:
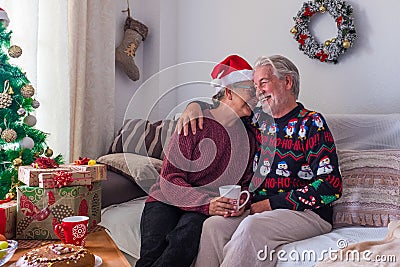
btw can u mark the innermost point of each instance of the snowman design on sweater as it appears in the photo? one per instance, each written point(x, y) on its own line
point(305, 172)
point(303, 168)
point(265, 168)
point(324, 166)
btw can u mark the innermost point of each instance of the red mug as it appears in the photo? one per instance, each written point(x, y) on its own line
point(73, 230)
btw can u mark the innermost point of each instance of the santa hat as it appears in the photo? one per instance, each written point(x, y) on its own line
point(4, 18)
point(231, 70)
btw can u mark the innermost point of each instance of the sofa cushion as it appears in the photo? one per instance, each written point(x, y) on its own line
point(371, 188)
point(139, 169)
point(142, 137)
point(118, 189)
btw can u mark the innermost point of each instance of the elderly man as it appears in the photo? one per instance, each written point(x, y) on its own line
point(296, 175)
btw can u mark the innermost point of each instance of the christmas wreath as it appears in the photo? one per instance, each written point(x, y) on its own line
point(330, 50)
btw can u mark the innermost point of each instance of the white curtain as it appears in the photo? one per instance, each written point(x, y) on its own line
point(68, 55)
point(91, 26)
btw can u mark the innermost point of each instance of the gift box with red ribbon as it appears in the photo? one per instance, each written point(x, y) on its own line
point(8, 217)
point(29, 175)
point(64, 178)
point(98, 172)
point(39, 209)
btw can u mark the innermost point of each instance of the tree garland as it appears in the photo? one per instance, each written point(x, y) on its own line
point(331, 49)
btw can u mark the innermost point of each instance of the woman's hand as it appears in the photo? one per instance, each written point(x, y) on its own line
point(192, 114)
point(223, 206)
point(239, 212)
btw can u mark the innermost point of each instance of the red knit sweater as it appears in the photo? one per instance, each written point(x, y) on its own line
point(196, 165)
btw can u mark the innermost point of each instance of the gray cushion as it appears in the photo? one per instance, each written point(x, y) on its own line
point(139, 169)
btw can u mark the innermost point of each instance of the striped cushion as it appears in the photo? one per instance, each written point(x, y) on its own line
point(143, 137)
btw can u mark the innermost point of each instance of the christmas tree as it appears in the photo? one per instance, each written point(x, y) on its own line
point(20, 143)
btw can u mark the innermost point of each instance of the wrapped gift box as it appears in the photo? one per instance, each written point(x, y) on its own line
point(39, 209)
point(30, 175)
point(8, 217)
point(97, 171)
point(46, 180)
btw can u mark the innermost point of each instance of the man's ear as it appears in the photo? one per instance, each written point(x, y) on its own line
point(228, 93)
point(288, 81)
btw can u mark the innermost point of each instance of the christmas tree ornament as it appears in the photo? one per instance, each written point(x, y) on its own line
point(15, 51)
point(30, 120)
point(5, 98)
point(48, 152)
point(10, 91)
point(27, 142)
point(134, 33)
point(346, 44)
point(4, 18)
point(10, 195)
point(17, 162)
point(27, 91)
point(330, 50)
point(21, 111)
point(35, 103)
point(9, 135)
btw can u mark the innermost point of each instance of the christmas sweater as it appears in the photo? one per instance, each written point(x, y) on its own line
point(296, 165)
point(195, 166)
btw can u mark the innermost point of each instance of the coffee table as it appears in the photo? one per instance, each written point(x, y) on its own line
point(100, 244)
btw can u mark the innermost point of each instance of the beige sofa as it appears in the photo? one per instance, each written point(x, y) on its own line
point(369, 154)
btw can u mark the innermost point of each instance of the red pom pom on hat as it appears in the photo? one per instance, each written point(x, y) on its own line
point(231, 70)
point(4, 17)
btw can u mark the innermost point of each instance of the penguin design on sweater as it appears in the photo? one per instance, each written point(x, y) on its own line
point(290, 129)
point(255, 162)
point(325, 166)
point(317, 121)
point(273, 129)
point(255, 118)
point(263, 127)
point(303, 130)
point(282, 169)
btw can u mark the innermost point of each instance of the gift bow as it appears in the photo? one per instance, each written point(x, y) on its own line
point(82, 161)
point(44, 163)
point(85, 161)
point(62, 178)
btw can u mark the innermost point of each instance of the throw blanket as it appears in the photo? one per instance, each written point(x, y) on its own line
point(384, 252)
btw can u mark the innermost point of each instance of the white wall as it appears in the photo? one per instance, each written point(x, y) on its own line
point(365, 80)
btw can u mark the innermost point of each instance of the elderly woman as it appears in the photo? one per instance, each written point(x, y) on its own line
point(186, 192)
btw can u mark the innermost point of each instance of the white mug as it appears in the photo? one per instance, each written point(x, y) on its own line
point(234, 192)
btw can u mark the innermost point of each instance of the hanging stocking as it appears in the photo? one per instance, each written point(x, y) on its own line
point(135, 33)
